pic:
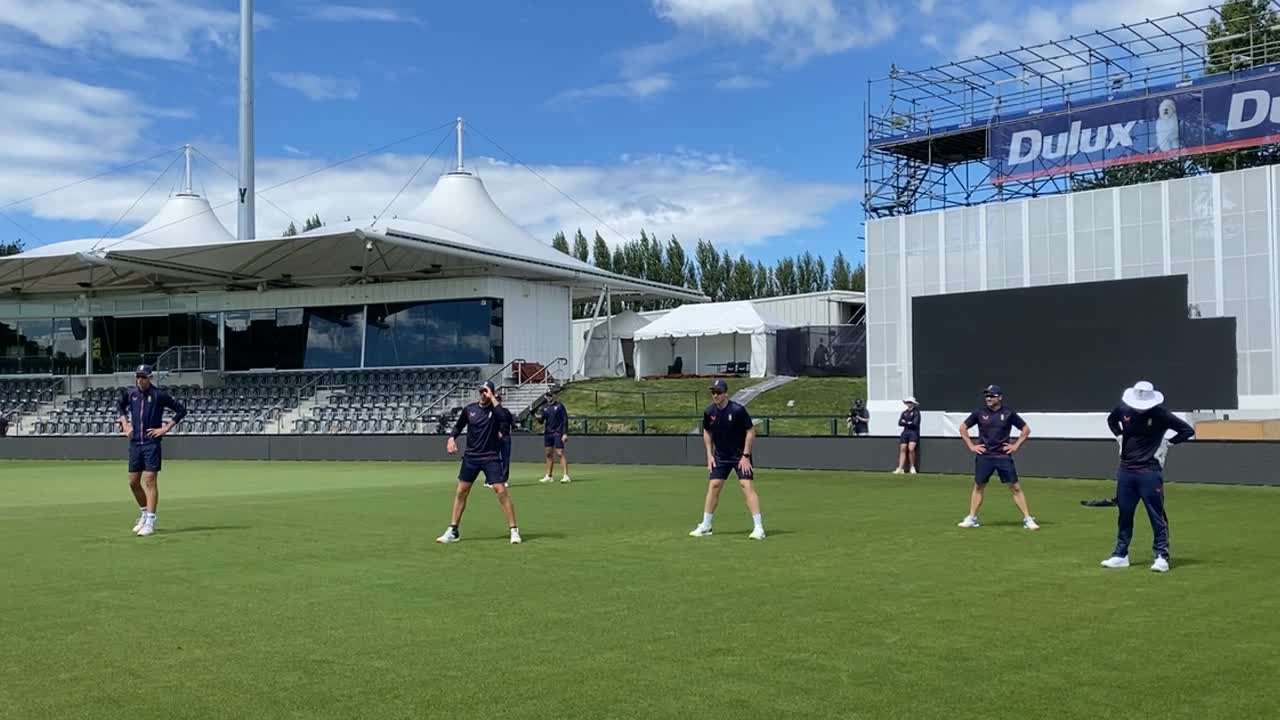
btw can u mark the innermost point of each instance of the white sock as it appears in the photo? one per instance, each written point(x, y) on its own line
point(706, 519)
point(143, 512)
point(149, 518)
point(755, 518)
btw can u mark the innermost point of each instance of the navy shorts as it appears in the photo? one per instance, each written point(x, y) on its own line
point(722, 467)
point(553, 440)
point(987, 465)
point(909, 436)
point(506, 459)
point(494, 471)
point(144, 457)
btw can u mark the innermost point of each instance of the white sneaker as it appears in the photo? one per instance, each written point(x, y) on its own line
point(969, 522)
point(515, 536)
point(701, 531)
point(897, 471)
point(146, 530)
point(564, 479)
point(912, 471)
point(138, 525)
point(757, 534)
point(1030, 523)
point(449, 536)
point(1160, 565)
point(547, 479)
point(1116, 562)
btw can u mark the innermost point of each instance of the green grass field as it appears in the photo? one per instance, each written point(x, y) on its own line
point(315, 591)
point(622, 399)
point(625, 401)
point(810, 396)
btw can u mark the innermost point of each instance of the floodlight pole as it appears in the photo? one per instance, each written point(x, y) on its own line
point(186, 185)
point(459, 126)
point(245, 229)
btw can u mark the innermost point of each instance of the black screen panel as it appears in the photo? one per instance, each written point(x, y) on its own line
point(1072, 348)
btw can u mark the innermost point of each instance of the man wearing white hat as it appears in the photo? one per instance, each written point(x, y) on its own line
point(909, 421)
point(1141, 423)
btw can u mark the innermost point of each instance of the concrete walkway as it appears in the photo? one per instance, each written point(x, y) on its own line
point(742, 397)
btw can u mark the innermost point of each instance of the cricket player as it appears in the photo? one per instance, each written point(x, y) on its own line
point(506, 425)
point(555, 432)
point(141, 410)
point(909, 421)
point(1141, 423)
point(728, 435)
point(483, 454)
point(995, 450)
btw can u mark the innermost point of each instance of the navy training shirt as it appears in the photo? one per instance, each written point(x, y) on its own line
point(994, 427)
point(145, 411)
point(910, 419)
point(482, 425)
point(1140, 434)
point(728, 427)
point(556, 419)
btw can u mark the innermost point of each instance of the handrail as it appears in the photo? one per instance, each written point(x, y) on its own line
point(298, 395)
point(457, 387)
point(179, 351)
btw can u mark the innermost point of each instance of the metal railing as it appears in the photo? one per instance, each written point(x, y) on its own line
point(183, 358)
point(767, 425)
point(277, 412)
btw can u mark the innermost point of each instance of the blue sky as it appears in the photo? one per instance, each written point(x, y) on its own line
point(739, 121)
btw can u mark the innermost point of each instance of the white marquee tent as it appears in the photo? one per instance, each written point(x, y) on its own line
point(706, 337)
point(593, 353)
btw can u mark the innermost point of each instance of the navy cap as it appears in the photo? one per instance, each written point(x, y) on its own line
point(489, 384)
point(993, 390)
point(720, 386)
point(143, 371)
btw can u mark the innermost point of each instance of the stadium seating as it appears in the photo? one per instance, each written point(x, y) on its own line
point(25, 394)
point(356, 401)
point(385, 401)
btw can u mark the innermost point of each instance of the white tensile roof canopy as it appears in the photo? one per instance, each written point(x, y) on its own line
point(458, 231)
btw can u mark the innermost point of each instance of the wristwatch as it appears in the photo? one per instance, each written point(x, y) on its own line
point(746, 455)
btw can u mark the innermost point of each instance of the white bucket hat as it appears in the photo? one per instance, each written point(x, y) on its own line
point(910, 400)
point(1142, 396)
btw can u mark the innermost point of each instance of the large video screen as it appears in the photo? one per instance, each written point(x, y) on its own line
point(1072, 348)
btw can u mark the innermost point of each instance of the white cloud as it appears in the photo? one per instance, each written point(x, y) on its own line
point(318, 87)
point(742, 82)
point(639, 87)
point(59, 131)
point(987, 27)
point(795, 31)
point(927, 7)
point(352, 13)
point(150, 29)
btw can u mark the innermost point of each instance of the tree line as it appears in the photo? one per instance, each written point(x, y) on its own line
point(717, 274)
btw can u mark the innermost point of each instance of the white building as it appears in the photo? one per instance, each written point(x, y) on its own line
point(830, 307)
point(1220, 230)
point(456, 282)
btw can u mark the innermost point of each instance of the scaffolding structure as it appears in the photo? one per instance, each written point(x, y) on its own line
point(928, 131)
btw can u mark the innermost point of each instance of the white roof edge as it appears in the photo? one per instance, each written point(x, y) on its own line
point(612, 280)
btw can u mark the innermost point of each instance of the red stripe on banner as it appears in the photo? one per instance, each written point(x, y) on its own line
point(1149, 157)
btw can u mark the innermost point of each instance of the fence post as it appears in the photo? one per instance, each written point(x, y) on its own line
point(833, 427)
point(642, 426)
point(766, 426)
point(644, 401)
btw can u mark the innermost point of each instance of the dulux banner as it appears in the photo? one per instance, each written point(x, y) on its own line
point(1195, 121)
